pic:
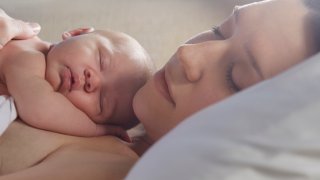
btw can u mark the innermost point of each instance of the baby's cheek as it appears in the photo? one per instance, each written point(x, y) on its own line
point(84, 103)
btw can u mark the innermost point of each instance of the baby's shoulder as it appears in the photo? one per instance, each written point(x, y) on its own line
point(30, 45)
point(33, 46)
point(26, 49)
point(22, 59)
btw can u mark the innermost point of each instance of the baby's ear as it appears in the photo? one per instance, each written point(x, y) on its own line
point(76, 32)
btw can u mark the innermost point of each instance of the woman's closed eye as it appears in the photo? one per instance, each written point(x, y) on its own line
point(229, 78)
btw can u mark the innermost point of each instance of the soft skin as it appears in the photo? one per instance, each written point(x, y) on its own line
point(81, 86)
point(107, 68)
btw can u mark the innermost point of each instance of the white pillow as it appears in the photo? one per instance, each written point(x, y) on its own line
point(269, 131)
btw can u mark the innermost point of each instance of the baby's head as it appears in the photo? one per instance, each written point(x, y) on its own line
point(100, 72)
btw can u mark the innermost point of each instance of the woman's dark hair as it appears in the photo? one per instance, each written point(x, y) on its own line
point(314, 7)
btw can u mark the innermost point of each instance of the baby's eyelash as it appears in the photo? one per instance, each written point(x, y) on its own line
point(100, 61)
point(101, 102)
point(233, 86)
point(101, 105)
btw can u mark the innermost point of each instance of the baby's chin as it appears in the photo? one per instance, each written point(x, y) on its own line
point(52, 81)
point(49, 49)
point(50, 77)
point(53, 78)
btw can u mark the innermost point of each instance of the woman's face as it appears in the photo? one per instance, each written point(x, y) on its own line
point(255, 43)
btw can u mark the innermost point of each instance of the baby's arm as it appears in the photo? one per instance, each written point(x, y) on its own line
point(38, 104)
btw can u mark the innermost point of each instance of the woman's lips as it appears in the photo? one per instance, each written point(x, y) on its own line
point(162, 85)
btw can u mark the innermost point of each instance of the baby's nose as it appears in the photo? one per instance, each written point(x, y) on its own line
point(92, 81)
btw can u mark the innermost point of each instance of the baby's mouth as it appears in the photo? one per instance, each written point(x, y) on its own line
point(72, 80)
point(75, 81)
point(66, 81)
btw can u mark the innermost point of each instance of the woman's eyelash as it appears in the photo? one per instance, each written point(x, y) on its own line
point(233, 86)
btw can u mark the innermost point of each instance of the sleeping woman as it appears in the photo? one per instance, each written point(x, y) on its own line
point(211, 66)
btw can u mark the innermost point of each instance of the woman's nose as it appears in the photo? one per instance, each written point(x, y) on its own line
point(195, 58)
point(92, 81)
point(190, 59)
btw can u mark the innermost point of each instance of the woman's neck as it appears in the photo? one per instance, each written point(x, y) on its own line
point(141, 144)
point(140, 140)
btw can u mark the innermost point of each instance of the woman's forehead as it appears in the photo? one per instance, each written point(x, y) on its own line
point(209, 35)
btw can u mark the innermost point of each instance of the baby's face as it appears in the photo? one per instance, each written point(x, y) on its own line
point(99, 73)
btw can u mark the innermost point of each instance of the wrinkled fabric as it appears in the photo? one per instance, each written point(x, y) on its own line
point(8, 112)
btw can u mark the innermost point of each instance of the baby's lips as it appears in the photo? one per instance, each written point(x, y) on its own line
point(65, 81)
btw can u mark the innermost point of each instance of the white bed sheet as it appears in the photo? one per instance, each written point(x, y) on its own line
point(8, 112)
point(269, 131)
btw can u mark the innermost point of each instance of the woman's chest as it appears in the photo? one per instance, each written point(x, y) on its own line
point(21, 148)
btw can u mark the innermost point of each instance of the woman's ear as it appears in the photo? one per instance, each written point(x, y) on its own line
point(76, 32)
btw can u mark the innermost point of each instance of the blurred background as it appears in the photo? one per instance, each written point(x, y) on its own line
point(159, 25)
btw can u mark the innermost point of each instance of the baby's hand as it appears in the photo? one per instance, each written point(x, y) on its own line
point(114, 131)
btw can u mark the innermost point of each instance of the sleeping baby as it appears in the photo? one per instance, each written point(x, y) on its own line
point(82, 86)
